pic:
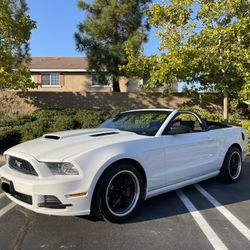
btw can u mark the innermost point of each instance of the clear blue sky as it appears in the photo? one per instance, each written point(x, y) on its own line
point(57, 21)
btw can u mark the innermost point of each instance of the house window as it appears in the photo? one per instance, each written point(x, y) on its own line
point(32, 78)
point(100, 80)
point(50, 79)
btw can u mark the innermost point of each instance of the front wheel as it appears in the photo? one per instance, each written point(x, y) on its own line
point(119, 193)
point(232, 166)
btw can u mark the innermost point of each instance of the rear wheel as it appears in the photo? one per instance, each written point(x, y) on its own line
point(232, 166)
point(119, 193)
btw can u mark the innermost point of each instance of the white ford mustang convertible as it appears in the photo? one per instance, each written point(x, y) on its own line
point(110, 170)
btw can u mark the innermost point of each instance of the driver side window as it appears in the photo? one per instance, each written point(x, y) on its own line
point(183, 123)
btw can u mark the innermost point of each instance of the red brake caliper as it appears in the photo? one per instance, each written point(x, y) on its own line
point(128, 192)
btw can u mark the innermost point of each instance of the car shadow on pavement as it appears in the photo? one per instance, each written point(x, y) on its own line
point(168, 204)
point(161, 206)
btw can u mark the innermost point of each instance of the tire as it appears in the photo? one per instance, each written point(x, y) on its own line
point(118, 194)
point(231, 169)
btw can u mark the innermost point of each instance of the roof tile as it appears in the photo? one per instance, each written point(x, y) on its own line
point(58, 63)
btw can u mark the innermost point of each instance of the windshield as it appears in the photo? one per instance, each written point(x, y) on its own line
point(140, 122)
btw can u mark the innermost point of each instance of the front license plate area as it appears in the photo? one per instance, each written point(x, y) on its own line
point(7, 185)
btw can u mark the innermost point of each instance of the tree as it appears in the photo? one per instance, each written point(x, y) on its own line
point(244, 94)
point(202, 41)
point(15, 30)
point(110, 26)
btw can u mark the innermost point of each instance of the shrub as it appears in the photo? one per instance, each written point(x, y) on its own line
point(233, 118)
point(87, 119)
point(52, 120)
point(52, 112)
point(47, 113)
point(60, 123)
point(9, 136)
point(246, 125)
point(15, 121)
point(34, 129)
point(205, 114)
point(22, 128)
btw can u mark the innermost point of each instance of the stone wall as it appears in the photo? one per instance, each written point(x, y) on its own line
point(25, 103)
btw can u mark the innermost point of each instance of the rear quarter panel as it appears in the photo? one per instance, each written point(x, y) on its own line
point(226, 138)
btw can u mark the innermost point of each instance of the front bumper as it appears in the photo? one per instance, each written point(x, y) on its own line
point(39, 187)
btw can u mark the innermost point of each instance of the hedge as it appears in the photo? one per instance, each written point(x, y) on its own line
point(18, 129)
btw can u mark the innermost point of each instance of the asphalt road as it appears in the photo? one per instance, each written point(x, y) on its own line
point(163, 222)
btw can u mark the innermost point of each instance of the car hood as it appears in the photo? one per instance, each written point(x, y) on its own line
point(56, 147)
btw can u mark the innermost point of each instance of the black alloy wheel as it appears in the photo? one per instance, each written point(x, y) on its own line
point(231, 169)
point(119, 192)
point(122, 193)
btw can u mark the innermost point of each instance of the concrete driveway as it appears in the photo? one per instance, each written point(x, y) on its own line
point(210, 215)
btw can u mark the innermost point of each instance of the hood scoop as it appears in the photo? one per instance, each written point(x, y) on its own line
point(103, 134)
point(79, 133)
point(52, 137)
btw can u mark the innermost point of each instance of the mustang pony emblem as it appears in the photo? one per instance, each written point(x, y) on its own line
point(18, 163)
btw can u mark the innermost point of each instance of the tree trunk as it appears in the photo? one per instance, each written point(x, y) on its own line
point(225, 106)
point(116, 85)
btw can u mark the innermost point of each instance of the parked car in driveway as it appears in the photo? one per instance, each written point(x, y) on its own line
point(110, 170)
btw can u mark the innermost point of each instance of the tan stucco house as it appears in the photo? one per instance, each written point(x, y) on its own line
point(70, 74)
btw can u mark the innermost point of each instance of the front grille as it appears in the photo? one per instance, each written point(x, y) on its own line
point(21, 165)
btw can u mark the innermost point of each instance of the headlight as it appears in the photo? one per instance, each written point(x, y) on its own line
point(63, 168)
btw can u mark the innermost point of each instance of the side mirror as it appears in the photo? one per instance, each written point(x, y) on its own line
point(181, 129)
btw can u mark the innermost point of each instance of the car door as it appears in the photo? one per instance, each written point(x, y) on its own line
point(189, 152)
